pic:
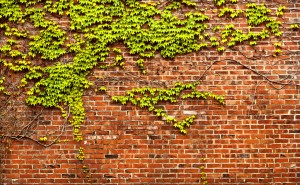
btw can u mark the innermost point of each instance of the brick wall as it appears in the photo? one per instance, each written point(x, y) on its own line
point(253, 139)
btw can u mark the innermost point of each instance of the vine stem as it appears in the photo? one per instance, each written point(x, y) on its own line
point(29, 124)
point(247, 67)
point(21, 136)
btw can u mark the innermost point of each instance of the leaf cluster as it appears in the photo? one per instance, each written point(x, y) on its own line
point(150, 98)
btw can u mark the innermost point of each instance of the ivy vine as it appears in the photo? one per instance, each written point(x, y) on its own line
point(148, 97)
point(94, 26)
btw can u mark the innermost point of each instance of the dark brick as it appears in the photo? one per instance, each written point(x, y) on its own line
point(153, 137)
point(45, 122)
point(226, 175)
point(111, 156)
point(68, 175)
point(294, 131)
point(109, 176)
point(151, 155)
point(243, 155)
point(53, 166)
point(181, 165)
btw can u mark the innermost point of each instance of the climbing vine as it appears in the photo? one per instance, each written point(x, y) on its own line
point(149, 97)
point(94, 26)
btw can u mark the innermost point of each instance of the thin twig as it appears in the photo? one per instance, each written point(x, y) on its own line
point(247, 67)
point(18, 137)
point(29, 124)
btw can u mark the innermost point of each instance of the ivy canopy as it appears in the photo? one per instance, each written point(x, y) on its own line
point(34, 30)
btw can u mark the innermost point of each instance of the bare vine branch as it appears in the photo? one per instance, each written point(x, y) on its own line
point(247, 67)
point(22, 135)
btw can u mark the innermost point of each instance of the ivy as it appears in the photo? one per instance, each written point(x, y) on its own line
point(2, 88)
point(149, 98)
point(280, 10)
point(223, 2)
point(10, 10)
point(48, 43)
point(232, 12)
point(57, 7)
point(294, 26)
point(61, 87)
point(220, 2)
point(80, 156)
point(95, 25)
